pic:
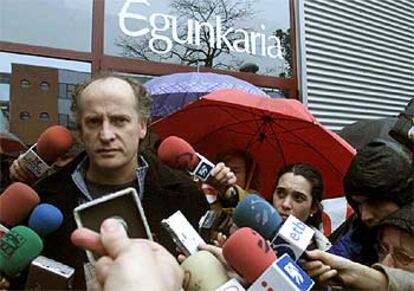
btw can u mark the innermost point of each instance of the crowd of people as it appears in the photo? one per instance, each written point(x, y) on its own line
point(373, 250)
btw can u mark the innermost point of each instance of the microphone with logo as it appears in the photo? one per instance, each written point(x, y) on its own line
point(251, 256)
point(291, 237)
point(17, 201)
point(248, 253)
point(18, 248)
point(51, 144)
point(179, 154)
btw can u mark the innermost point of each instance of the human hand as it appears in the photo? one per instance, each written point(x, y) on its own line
point(220, 239)
point(130, 264)
point(221, 177)
point(18, 173)
point(330, 269)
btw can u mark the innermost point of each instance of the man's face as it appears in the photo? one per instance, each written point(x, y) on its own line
point(372, 211)
point(397, 248)
point(238, 166)
point(110, 127)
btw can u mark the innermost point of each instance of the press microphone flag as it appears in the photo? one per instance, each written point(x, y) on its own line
point(51, 144)
point(179, 154)
point(293, 238)
point(284, 274)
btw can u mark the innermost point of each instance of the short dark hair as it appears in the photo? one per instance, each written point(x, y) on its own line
point(250, 165)
point(311, 174)
point(143, 99)
point(380, 170)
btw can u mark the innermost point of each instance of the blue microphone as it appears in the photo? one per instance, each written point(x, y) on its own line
point(255, 212)
point(45, 219)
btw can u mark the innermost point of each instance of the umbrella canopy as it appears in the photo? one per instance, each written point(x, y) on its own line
point(171, 92)
point(10, 143)
point(361, 132)
point(276, 132)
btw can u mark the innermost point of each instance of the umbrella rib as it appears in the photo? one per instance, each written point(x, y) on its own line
point(308, 144)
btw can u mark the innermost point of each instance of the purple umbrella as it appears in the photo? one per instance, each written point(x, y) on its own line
point(171, 92)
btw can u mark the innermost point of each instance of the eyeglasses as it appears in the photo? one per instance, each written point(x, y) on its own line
point(398, 255)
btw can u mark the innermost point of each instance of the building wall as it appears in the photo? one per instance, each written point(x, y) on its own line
point(33, 101)
point(357, 58)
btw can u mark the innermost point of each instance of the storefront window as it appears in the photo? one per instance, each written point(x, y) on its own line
point(222, 34)
point(65, 24)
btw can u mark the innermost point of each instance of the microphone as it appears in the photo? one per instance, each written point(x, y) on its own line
point(3, 230)
point(45, 219)
point(248, 253)
point(231, 285)
point(179, 154)
point(255, 212)
point(17, 249)
point(284, 274)
point(51, 144)
point(293, 238)
point(203, 272)
point(17, 201)
point(48, 274)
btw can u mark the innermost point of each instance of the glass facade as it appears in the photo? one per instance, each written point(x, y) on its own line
point(236, 35)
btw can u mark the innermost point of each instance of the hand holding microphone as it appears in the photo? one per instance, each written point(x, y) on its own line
point(334, 270)
point(35, 162)
point(179, 154)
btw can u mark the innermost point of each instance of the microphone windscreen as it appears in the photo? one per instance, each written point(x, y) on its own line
point(45, 219)
point(16, 203)
point(18, 248)
point(53, 143)
point(248, 253)
point(177, 153)
point(255, 212)
point(203, 271)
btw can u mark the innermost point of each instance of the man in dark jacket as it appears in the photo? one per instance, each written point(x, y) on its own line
point(112, 114)
point(378, 183)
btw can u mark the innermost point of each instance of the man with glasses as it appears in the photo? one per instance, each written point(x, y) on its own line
point(378, 182)
point(395, 270)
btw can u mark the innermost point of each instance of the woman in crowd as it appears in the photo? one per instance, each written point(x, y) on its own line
point(298, 192)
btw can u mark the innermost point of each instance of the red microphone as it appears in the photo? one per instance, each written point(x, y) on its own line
point(16, 203)
point(179, 154)
point(51, 144)
point(248, 253)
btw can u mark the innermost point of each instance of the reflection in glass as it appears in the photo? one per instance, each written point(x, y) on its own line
point(221, 34)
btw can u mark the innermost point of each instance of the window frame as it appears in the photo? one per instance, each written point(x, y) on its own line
point(100, 61)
